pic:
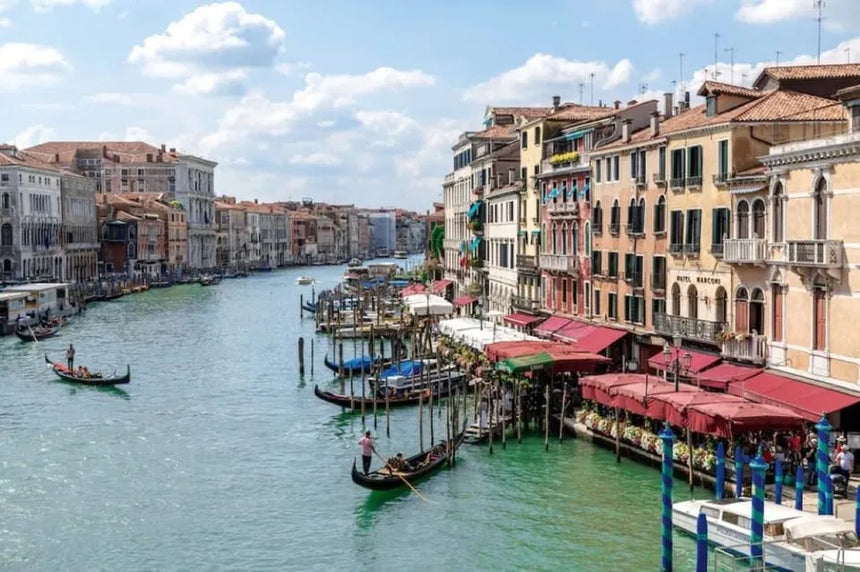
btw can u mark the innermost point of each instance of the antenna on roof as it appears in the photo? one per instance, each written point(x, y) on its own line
point(716, 49)
point(778, 53)
point(581, 85)
point(732, 63)
point(681, 67)
point(820, 5)
point(591, 77)
point(643, 87)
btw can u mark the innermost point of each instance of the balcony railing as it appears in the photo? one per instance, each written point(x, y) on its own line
point(563, 208)
point(692, 249)
point(676, 184)
point(614, 228)
point(689, 328)
point(694, 182)
point(659, 178)
point(559, 263)
point(641, 180)
point(525, 304)
point(676, 248)
point(745, 250)
point(717, 250)
point(634, 230)
point(633, 279)
point(815, 253)
point(721, 179)
point(751, 348)
point(526, 262)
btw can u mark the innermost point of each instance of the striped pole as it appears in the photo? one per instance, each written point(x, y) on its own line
point(666, 495)
point(739, 471)
point(720, 488)
point(777, 485)
point(758, 467)
point(702, 543)
point(857, 513)
point(823, 462)
point(829, 489)
point(798, 488)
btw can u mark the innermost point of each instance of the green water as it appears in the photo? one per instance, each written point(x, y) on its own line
point(218, 457)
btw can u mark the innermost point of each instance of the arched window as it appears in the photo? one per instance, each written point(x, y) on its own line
point(660, 214)
point(820, 209)
point(640, 216)
point(743, 219)
point(6, 201)
point(615, 217)
point(631, 216)
point(564, 238)
point(597, 217)
point(587, 238)
point(721, 310)
point(554, 238)
point(574, 239)
point(758, 219)
point(777, 220)
point(676, 300)
point(692, 302)
point(6, 235)
point(757, 311)
point(741, 310)
point(542, 238)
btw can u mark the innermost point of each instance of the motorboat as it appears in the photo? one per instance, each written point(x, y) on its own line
point(304, 280)
point(411, 375)
point(400, 254)
point(355, 263)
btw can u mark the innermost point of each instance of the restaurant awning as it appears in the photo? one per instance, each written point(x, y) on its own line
point(809, 401)
point(633, 397)
point(599, 339)
point(720, 376)
point(522, 364)
point(672, 406)
point(597, 387)
point(572, 331)
point(566, 357)
point(464, 300)
point(519, 319)
point(412, 289)
point(551, 325)
point(440, 285)
point(698, 361)
point(729, 419)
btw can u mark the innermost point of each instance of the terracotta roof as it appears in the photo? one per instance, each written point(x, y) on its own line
point(495, 132)
point(528, 112)
point(23, 159)
point(126, 217)
point(852, 92)
point(716, 88)
point(574, 112)
point(822, 71)
point(128, 151)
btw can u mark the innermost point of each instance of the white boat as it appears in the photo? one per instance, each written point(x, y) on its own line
point(304, 280)
point(401, 254)
point(355, 262)
point(790, 535)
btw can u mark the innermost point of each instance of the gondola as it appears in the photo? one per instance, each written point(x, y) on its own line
point(310, 307)
point(95, 379)
point(344, 400)
point(355, 366)
point(36, 333)
point(423, 463)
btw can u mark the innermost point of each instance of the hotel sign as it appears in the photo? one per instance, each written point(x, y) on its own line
point(714, 280)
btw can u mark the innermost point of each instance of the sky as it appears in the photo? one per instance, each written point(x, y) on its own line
point(360, 102)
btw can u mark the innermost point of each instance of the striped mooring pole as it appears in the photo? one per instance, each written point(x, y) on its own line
point(823, 462)
point(739, 471)
point(857, 512)
point(777, 485)
point(758, 467)
point(666, 496)
point(720, 488)
point(798, 488)
point(702, 543)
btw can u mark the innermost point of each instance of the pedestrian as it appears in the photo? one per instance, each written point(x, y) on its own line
point(70, 357)
point(367, 450)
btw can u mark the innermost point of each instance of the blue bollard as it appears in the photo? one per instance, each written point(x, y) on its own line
point(777, 493)
point(823, 462)
point(666, 495)
point(702, 543)
point(798, 488)
point(758, 467)
point(739, 471)
point(721, 470)
point(829, 489)
point(857, 512)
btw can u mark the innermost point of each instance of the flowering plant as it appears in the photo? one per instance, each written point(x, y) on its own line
point(571, 156)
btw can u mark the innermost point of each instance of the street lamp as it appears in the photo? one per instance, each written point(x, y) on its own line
point(678, 360)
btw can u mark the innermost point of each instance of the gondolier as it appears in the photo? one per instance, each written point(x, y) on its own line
point(70, 357)
point(367, 451)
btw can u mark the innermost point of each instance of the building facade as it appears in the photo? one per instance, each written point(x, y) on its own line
point(80, 228)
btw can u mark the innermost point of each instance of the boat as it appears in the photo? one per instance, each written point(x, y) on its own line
point(355, 263)
point(356, 366)
point(161, 284)
point(410, 375)
point(304, 280)
point(95, 378)
point(401, 254)
point(36, 333)
point(113, 295)
point(310, 307)
point(209, 280)
point(242, 274)
point(424, 464)
point(790, 535)
point(265, 268)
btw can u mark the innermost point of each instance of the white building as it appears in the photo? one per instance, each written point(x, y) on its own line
point(195, 189)
point(80, 227)
point(457, 196)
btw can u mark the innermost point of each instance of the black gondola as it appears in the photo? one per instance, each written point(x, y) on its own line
point(308, 307)
point(36, 333)
point(95, 379)
point(344, 400)
point(356, 366)
point(424, 464)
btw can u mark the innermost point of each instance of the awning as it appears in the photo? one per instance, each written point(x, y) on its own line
point(572, 331)
point(552, 325)
point(673, 407)
point(439, 285)
point(464, 300)
point(729, 419)
point(698, 361)
point(633, 397)
point(526, 363)
point(720, 376)
point(520, 319)
point(473, 210)
point(809, 401)
point(597, 338)
point(598, 387)
point(412, 289)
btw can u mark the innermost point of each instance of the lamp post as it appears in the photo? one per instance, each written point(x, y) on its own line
point(677, 361)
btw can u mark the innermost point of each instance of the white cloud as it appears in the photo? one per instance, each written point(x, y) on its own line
point(5, 23)
point(292, 67)
point(227, 83)
point(838, 14)
point(543, 73)
point(388, 123)
point(655, 11)
point(7, 4)
point(33, 136)
point(48, 5)
point(315, 159)
point(213, 40)
point(134, 133)
point(126, 99)
point(24, 65)
point(327, 124)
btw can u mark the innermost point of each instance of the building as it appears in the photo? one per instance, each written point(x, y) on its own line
point(232, 235)
point(134, 236)
point(80, 238)
point(383, 232)
point(195, 189)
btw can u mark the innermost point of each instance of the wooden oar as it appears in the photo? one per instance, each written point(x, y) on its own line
point(402, 478)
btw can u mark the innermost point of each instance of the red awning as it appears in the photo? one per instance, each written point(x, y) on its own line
point(552, 325)
point(412, 289)
point(464, 300)
point(566, 358)
point(720, 376)
point(633, 397)
point(809, 401)
point(698, 361)
point(520, 319)
point(672, 406)
point(729, 419)
point(599, 339)
point(597, 387)
point(439, 285)
point(572, 331)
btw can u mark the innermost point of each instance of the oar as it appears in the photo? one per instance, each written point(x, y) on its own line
point(414, 490)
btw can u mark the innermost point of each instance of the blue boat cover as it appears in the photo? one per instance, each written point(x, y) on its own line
point(407, 369)
point(399, 283)
point(362, 362)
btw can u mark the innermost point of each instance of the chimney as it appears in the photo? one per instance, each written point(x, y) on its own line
point(625, 130)
point(173, 149)
point(149, 157)
point(655, 123)
point(600, 103)
point(56, 157)
point(556, 101)
point(631, 103)
point(667, 105)
point(686, 100)
point(255, 201)
point(163, 148)
point(104, 151)
point(617, 104)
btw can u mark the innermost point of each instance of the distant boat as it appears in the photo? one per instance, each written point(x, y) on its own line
point(401, 254)
point(355, 263)
point(95, 378)
point(304, 280)
point(417, 466)
point(209, 280)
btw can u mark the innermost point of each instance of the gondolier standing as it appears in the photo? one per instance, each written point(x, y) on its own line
point(70, 357)
point(367, 451)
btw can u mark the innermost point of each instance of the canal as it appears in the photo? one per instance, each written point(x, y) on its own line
point(217, 456)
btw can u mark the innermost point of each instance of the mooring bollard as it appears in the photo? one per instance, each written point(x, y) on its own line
point(301, 306)
point(739, 472)
point(857, 512)
point(798, 488)
point(702, 543)
point(720, 488)
point(312, 357)
point(667, 437)
point(777, 484)
point(823, 463)
point(301, 356)
point(758, 467)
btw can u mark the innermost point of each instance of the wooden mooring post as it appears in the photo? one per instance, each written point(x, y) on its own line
point(546, 418)
point(561, 417)
point(301, 306)
point(301, 356)
point(312, 357)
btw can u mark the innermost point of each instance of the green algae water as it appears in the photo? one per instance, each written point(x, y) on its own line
point(218, 457)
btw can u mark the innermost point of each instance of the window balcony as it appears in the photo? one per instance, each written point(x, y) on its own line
point(565, 263)
point(527, 264)
point(659, 178)
point(676, 249)
point(614, 228)
point(641, 181)
point(689, 328)
point(563, 208)
point(745, 250)
point(692, 249)
point(745, 347)
point(633, 279)
point(721, 179)
point(634, 230)
point(676, 184)
point(717, 250)
point(815, 253)
point(525, 304)
point(694, 182)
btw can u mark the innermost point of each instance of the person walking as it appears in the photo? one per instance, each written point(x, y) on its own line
point(367, 451)
point(70, 357)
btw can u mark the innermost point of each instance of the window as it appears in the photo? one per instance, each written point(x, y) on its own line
point(676, 300)
point(777, 313)
point(596, 305)
point(6, 235)
point(678, 167)
point(612, 264)
point(658, 306)
point(741, 310)
point(615, 217)
point(658, 273)
point(676, 241)
point(694, 230)
point(719, 229)
point(660, 215)
point(564, 238)
point(612, 306)
point(743, 219)
point(574, 292)
point(588, 297)
point(597, 263)
point(598, 170)
point(692, 302)
point(634, 164)
point(819, 318)
point(639, 227)
point(634, 309)
point(597, 218)
point(778, 216)
point(723, 160)
point(694, 161)
point(574, 231)
point(616, 161)
point(525, 139)
point(588, 238)
point(855, 118)
point(756, 314)
point(721, 309)
point(820, 209)
point(524, 174)
point(6, 200)
point(711, 106)
point(537, 135)
point(661, 167)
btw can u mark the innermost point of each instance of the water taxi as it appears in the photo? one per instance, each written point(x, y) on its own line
point(355, 263)
point(304, 280)
point(401, 254)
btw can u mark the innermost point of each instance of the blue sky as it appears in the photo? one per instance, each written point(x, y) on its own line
point(361, 101)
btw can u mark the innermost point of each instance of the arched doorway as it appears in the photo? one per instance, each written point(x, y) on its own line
point(743, 219)
point(692, 302)
point(721, 310)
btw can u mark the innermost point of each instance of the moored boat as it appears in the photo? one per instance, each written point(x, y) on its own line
point(36, 333)
point(95, 378)
point(400, 254)
point(355, 366)
point(355, 402)
point(209, 280)
point(422, 465)
point(355, 263)
point(304, 280)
